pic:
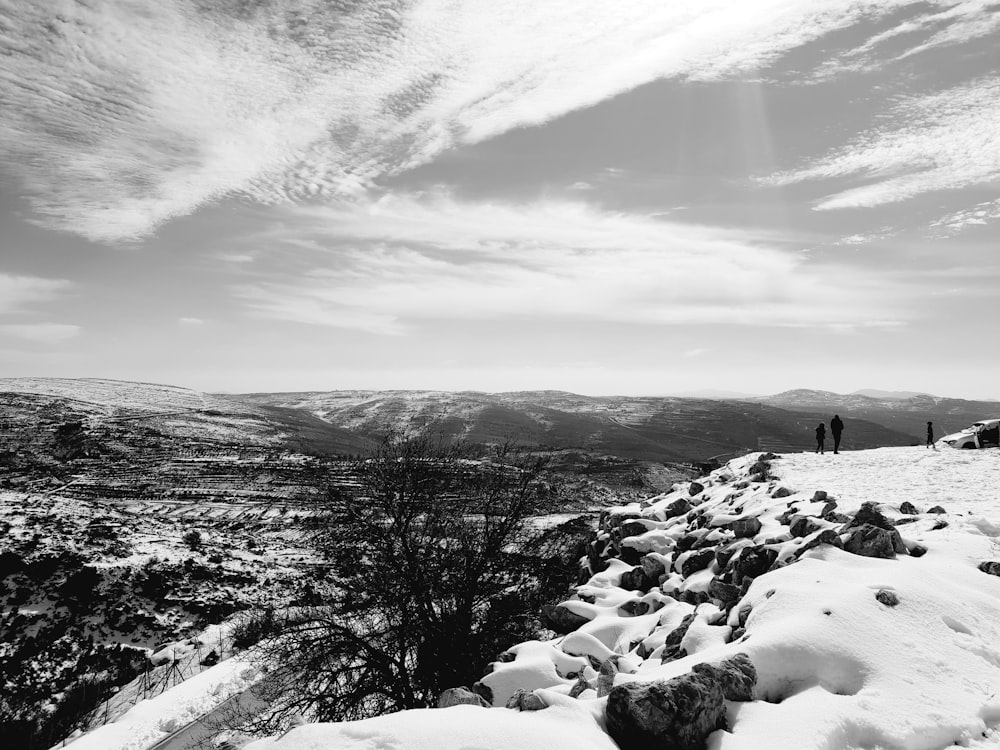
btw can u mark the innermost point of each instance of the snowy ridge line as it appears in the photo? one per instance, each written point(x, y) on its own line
point(838, 614)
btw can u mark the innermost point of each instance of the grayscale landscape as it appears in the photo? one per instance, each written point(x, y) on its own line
point(467, 374)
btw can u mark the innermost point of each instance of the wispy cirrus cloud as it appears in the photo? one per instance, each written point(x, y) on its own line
point(404, 261)
point(279, 101)
point(943, 141)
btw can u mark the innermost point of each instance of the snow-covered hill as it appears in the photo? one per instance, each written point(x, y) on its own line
point(863, 588)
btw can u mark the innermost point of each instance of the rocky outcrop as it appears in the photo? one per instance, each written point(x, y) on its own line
point(561, 619)
point(461, 696)
point(874, 541)
point(678, 713)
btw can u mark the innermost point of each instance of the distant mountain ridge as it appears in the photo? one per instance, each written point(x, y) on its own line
point(642, 428)
point(908, 415)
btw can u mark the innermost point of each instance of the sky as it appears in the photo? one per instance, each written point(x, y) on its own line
point(601, 197)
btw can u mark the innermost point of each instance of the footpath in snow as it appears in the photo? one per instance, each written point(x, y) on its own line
point(802, 601)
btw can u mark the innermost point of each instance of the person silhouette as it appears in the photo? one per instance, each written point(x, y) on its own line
point(836, 427)
point(820, 437)
point(930, 436)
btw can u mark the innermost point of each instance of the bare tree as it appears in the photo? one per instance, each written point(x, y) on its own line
point(437, 570)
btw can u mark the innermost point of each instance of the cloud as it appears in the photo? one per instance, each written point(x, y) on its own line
point(19, 292)
point(43, 333)
point(692, 353)
point(191, 321)
point(404, 261)
point(944, 141)
point(958, 221)
point(278, 101)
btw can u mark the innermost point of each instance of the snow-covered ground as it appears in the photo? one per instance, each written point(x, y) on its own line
point(851, 651)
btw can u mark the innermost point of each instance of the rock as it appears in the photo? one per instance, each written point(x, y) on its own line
point(992, 567)
point(698, 560)
point(819, 496)
point(606, 676)
point(936, 509)
point(561, 619)
point(633, 528)
point(826, 536)
point(580, 686)
point(939, 524)
point(751, 562)
point(870, 514)
point(746, 528)
point(636, 580)
point(834, 517)
point(781, 492)
point(526, 700)
point(908, 508)
point(724, 554)
point(485, 691)
point(672, 644)
point(801, 526)
point(653, 567)
point(461, 696)
point(726, 593)
point(630, 555)
point(679, 713)
point(695, 488)
point(873, 541)
point(634, 607)
point(917, 550)
point(676, 508)
point(506, 657)
point(736, 675)
point(887, 597)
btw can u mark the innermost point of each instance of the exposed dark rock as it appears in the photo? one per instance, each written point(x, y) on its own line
point(726, 593)
point(745, 528)
point(506, 657)
point(751, 562)
point(819, 496)
point(826, 536)
point(904, 521)
point(561, 619)
point(724, 554)
point(873, 541)
point(485, 691)
point(695, 488)
point(917, 550)
point(990, 566)
point(936, 509)
point(908, 508)
point(461, 696)
point(633, 528)
point(526, 700)
point(636, 580)
point(801, 526)
point(869, 513)
point(737, 676)
point(940, 524)
point(612, 520)
point(834, 517)
point(653, 567)
point(781, 492)
point(630, 555)
point(887, 597)
point(606, 676)
point(634, 607)
point(676, 508)
point(580, 686)
point(696, 561)
point(672, 644)
point(678, 713)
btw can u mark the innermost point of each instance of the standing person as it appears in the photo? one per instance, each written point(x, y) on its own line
point(820, 437)
point(836, 427)
point(930, 436)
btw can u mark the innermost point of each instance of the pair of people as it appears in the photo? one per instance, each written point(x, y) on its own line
point(836, 427)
